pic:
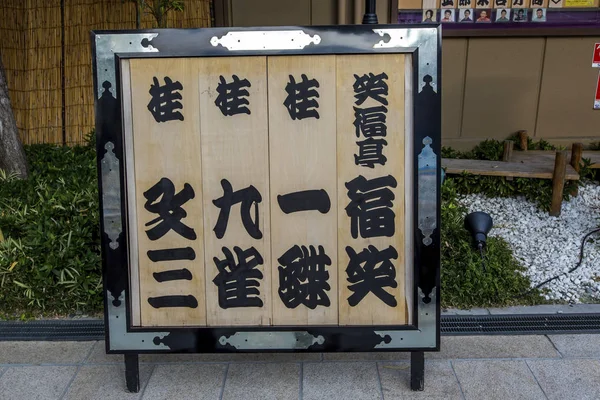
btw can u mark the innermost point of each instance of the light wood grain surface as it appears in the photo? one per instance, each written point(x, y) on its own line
point(168, 150)
point(371, 310)
point(302, 157)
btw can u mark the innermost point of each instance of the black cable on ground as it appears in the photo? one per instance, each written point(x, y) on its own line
point(539, 285)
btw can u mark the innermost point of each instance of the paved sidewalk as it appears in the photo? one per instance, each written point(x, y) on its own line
point(468, 367)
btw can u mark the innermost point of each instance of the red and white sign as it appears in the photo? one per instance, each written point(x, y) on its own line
point(596, 57)
point(597, 97)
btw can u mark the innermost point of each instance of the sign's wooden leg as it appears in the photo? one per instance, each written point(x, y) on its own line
point(132, 373)
point(417, 370)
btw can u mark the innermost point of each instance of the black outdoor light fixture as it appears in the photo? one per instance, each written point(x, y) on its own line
point(479, 224)
point(370, 17)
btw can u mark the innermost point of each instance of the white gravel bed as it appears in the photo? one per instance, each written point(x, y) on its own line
point(547, 245)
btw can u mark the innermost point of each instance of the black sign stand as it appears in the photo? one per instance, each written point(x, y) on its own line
point(421, 42)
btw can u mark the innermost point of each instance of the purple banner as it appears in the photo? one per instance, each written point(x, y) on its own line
point(476, 18)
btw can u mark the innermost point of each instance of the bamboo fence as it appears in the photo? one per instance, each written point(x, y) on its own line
point(45, 48)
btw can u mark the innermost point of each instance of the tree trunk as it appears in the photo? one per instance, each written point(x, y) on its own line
point(12, 156)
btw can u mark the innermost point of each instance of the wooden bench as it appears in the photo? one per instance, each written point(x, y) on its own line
point(522, 166)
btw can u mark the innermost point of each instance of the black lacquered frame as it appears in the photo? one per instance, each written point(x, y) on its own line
point(422, 42)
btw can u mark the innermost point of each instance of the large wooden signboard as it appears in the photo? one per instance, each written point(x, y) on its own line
point(270, 189)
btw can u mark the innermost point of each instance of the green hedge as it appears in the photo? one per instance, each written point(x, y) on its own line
point(50, 258)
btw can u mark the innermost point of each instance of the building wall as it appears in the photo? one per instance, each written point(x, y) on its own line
point(493, 87)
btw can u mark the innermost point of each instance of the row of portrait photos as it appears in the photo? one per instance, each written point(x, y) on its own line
point(466, 15)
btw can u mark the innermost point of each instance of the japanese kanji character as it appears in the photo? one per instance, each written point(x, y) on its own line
point(238, 283)
point(370, 208)
point(164, 102)
point(370, 152)
point(169, 209)
point(370, 85)
point(300, 101)
point(371, 271)
point(248, 197)
point(232, 97)
point(303, 277)
point(370, 121)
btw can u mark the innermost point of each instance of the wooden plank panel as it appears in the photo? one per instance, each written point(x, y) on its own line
point(547, 157)
point(170, 150)
point(270, 12)
point(134, 276)
point(302, 158)
point(502, 86)
point(501, 168)
point(454, 62)
point(566, 105)
point(370, 309)
point(235, 149)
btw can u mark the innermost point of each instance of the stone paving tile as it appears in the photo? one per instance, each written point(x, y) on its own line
point(181, 382)
point(370, 356)
point(568, 379)
point(99, 356)
point(100, 382)
point(440, 382)
point(262, 381)
point(579, 345)
point(35, 382)
point(497, 379)
point(231, 357)
point(341, 381)
point(523, 346)
point(44, 352)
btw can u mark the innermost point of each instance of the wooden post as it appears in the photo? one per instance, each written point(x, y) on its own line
point(507, 155)
point(523, 140)
point(558, 181)
point(508, 150)
point(576, 153)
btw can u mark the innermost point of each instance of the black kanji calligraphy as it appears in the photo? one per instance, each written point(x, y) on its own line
point(248, 197)
point(238, 283)
point(370, 85)
point(232, 98)
point(501, 3)
point(537, 2)
point(182, 253)
point(370, 121)
point(188, 301)
point(173, 275)
point(517, 2)
point(370, 207)
point(305, 200)
point(301, 98)
point(303, 277)
point(164, 100)
point(371, 271)
point(370, 152)
point(465, 3)
point(483, 2)
point(447, 3)
point(169, 210)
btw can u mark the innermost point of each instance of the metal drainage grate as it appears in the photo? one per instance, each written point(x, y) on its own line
point(450, 325)
point(519, 324)
point(91, 329)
